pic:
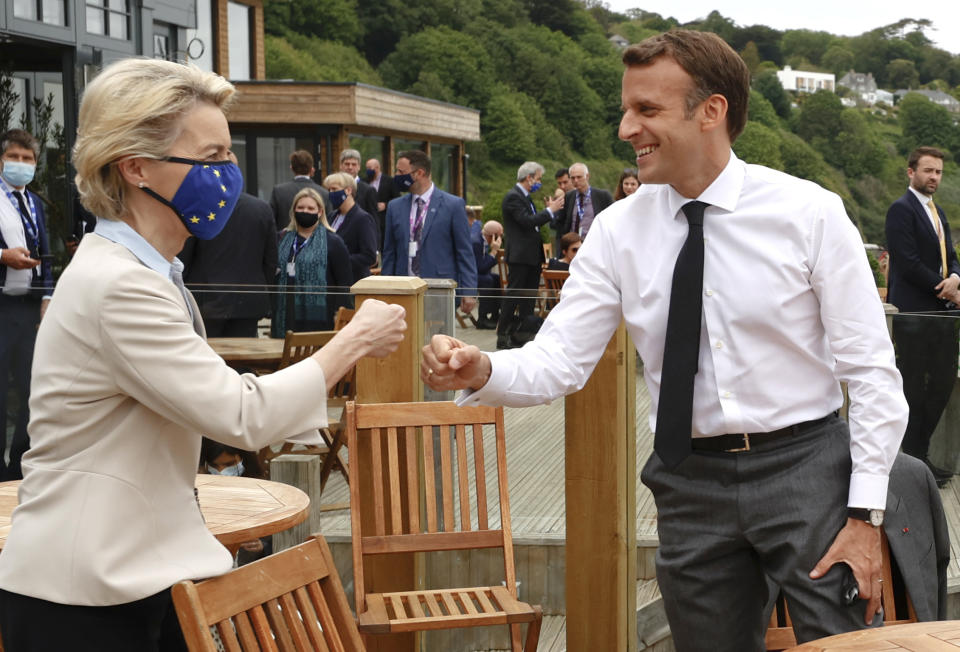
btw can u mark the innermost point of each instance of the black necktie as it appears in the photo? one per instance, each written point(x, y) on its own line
point(682, 347)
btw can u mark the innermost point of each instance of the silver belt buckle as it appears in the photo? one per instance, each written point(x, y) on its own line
point(745, 447)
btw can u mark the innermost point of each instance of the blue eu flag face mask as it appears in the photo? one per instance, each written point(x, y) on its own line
point(206, 196)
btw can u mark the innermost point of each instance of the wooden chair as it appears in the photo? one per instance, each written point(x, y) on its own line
point(343, 317)
point(547, 250)
point(438, 480)
point(296, 347)
point(292, 600)
point(895, 612)
point(553, 280)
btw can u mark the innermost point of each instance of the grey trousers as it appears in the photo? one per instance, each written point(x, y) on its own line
point(727, 520)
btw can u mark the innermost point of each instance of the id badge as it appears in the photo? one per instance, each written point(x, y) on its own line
point(413, 249)
point(291, 269)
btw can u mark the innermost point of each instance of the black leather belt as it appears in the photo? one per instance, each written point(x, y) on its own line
point(741, 442)
point(20, 298)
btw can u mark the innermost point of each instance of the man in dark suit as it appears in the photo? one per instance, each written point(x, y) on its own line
point(366, 195)
point(386, 192)
point(353, 224)
point(582, 204)
point(426, 232)
point(26, 281)
point(924, 277)
point(301, 164)
point(524, 252)
point(230, 274)
point(488, 281)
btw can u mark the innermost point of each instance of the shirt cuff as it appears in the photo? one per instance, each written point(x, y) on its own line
point(868, 491)
point(491, 393)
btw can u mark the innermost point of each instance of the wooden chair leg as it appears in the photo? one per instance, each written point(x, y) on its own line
point(533, 631)
point(332, 459)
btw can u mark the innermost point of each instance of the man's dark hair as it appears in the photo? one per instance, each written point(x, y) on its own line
point(716, 69)
point(922, 151)
point(418, 160)
point(561, 172)
point(22, 138)
point(301, 162)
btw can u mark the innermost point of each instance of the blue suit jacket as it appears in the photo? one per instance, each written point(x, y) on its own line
point(915, 255)
point(44, 285)
point(445, 249)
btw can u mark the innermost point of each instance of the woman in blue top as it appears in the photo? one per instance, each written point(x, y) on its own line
point(314, 276)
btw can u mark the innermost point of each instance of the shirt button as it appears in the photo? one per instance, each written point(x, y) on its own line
point(719, 344)
point(709, 293)
point(726, 395)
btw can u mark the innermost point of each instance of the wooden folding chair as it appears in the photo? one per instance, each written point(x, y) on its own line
point(296, 347)
point(780, 630)
point(292, 600)
point(421, 515)
point(553, 280)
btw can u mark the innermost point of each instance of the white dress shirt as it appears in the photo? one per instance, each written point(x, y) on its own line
point(17, 281)
point(789, 309)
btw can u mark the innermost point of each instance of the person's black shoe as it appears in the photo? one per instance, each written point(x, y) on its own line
point(503, 342)
point(486, 324)
point(942, 483)
point(938, 473)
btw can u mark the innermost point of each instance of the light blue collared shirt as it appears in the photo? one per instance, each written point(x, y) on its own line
point(123, 234)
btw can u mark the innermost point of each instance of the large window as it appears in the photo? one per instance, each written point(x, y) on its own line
point(238, 26)
point(109, 17)
point(164, 41)
point(199, 46)
point(369, 147)
point(441, 160)
point(52, 12)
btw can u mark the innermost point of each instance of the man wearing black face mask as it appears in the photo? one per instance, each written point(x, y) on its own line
point(386, 191)
point(366, 195)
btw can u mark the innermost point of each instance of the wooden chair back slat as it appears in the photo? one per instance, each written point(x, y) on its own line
point(378, 496)
point(311, 616)
point(446, 475)
point(343, 317)
point(502, 269)
point(504, 490)
point(481, 477)
point(297, 346)
point(463, 481)
point(289, 602)
point(413, 480)
point(393, 471)
point(429, 482)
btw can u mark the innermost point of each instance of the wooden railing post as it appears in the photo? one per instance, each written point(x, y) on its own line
point(393, 379)
point(601, 496)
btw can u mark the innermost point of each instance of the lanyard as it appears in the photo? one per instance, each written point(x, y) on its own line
point(29, 224)
point(296, 248)
point(581, 197)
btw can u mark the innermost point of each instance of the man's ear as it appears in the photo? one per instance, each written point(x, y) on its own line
point(714, 112)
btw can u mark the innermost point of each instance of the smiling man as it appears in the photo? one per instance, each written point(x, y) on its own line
point(748, 295)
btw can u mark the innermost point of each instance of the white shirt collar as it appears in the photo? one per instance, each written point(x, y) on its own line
point(426, 195)
point(923, 198)
point(123, 234)
point(722, 193)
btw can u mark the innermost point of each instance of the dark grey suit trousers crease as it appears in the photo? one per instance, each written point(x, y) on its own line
point(727, 520)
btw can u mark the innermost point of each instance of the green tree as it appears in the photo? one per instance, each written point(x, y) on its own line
point(508, 134)
point(771, 88)
point(855, 149)
point(306, 58)
point(819, 116)
point(902, 73)
point(328, 20)
point(751, 56)
point(800, 159)
point(458, 62)
point(925, 123)
point(759, 144)
point(762, 111)
point(838, 59)
point(806, 43)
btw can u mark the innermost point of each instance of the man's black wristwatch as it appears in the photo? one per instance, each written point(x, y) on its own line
point(872, 516)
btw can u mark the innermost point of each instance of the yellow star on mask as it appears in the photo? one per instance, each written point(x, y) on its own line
point(194, 219)
point(212, 216)
point(217, 172)
point(223, 188)
point(205, 167)
point(222, 203)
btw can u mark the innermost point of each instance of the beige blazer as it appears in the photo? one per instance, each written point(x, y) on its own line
point(122, 389)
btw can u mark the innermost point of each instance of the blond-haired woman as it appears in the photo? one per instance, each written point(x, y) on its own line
point(124, 382)
point(314, 276)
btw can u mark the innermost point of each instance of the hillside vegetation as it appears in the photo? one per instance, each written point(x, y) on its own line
point(547, 82)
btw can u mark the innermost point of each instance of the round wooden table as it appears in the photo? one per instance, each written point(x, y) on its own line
point(236, 509)
point(929, 637)
point(249, 352)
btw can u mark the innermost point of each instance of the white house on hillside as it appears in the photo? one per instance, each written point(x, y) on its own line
point(806, 81)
